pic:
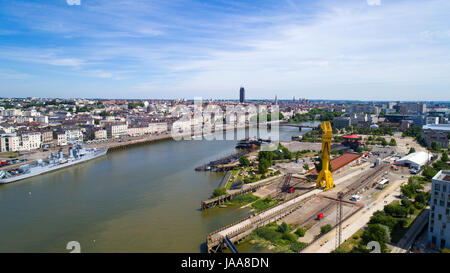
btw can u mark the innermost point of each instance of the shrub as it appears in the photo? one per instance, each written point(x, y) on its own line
point(325, 229)
point(429, 172)
point(406, 203)
point(268, 234)
point(219, 192)
point(380, 217)
point(396, 210)
point(245, 199)
point(300, 232)
point(283, 228)
point(297, 246)
point(291, 237)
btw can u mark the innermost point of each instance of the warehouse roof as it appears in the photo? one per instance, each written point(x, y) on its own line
point(418, 158)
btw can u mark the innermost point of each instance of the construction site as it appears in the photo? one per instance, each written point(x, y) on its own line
point(339, 196)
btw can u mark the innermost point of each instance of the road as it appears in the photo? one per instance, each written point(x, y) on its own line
point(350, 226)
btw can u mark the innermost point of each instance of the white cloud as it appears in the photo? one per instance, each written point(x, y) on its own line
point(73, 2)
point(373, 2)
point(8, 74)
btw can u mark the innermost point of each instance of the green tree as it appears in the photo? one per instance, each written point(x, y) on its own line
point(263, 166)
point(377, 233)
point(396, 210)
point(429, 172)
point(283, 228)
point(444, 157)
point(300, 232)
point(435, 146)
point(244, 161)
point(412, 150)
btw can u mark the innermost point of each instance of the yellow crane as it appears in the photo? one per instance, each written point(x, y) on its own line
point(325, 178)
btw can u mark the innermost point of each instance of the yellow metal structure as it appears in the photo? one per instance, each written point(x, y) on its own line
point(325, 178)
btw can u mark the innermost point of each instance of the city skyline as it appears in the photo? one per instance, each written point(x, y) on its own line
point(352, 50)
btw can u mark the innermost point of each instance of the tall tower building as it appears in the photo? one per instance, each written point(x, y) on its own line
point(276, 100)
point(242, 95)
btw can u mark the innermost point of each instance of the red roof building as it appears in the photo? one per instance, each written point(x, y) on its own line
point(351, 137)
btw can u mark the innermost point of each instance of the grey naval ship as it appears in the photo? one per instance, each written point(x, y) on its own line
point(76, 154)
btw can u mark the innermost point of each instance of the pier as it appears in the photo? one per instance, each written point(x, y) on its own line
point(222, 161)
point(210, 203)
point(237, 231)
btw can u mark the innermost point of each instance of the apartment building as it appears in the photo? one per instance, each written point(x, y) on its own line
point(436, 133)
point(30, 141)
point(61, 138)
point(116, 130)
point(138, 130)
point(439, 220)
point(100, 134)
point(156, 128)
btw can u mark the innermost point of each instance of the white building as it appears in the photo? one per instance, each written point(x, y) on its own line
point(138, 130)
point(156, 128)
point(61, 138)
point(115, 130)
point(30, 141)
point(9, 143)
point(414, 160)
point(100, 134)
point(439, 221)
point(12, 112)
point(24, 142)
point(74, 135)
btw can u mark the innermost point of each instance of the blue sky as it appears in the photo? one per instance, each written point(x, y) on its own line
point(356, 49)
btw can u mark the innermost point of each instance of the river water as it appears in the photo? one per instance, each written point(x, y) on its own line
point(142, 199)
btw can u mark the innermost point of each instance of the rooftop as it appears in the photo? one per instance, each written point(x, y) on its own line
point(340, 161)
point(440, 127)
point(442, 175)
point(352, 136)
point(420, 158)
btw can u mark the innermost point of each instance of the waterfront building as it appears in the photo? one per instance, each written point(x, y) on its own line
point(61, 139)
point(9, 143)
point(30, 141)
point(116, 130)
point(100, 134)
point(74, 135)
point(439, 219)
point(156, 128)
point(138, 130)
point(46, 136)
